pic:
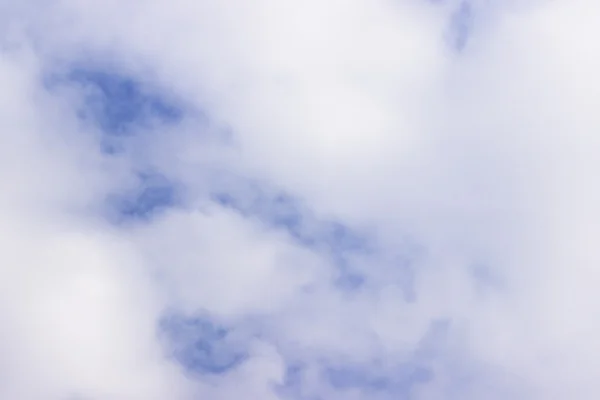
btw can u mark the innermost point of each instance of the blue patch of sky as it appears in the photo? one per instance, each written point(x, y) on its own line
point(461, 24)
point(204, 347)
point(119, 104)
point(116, 104)
point(370, 379)
point(397, 381)
point(283, 211)
point(201, 345)
point(286, 211)
point(349, 248)
point(486, 278)
point(152, 194)
point(125, 112)
point(382, 377)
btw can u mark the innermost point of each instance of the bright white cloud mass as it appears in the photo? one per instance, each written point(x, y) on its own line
point(303, 200)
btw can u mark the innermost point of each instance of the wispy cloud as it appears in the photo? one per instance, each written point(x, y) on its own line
point(298, 200)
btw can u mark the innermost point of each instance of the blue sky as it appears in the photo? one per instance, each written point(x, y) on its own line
point(298, 200)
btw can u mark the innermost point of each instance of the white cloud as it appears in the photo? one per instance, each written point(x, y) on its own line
point(486, 159)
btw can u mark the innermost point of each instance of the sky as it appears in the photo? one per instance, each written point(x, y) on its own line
point(299, 200)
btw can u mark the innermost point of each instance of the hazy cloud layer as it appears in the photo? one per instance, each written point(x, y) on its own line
point(299, 200)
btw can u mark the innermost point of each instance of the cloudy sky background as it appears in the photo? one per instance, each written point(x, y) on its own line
point(305, 200)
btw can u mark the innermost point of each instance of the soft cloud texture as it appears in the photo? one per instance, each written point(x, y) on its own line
point(299, 200)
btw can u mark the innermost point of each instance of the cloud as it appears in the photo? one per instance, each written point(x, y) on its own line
point(298, 200)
